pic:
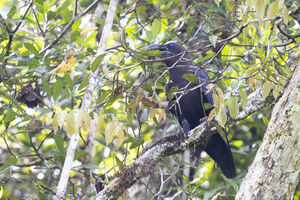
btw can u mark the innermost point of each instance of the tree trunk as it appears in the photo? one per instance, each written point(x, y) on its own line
point(274, 173)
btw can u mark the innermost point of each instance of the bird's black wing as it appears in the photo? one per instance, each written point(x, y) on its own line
point(217, 148)
point(174, 107)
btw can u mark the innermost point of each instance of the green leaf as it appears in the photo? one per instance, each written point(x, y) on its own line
point(229, 5)
point(100, 141)
point(11, 12)
point(64, 6)
point(79, 154)
point(176, 2)
point(82, 67)
point(57, 86)
point(268, 85)
point(69, 81)
point(148, 88)
point(208, 56)
point(89, 166)
point(9, 116)
point(119, 162)
point(190, 77)
point(244, 99)
point(5, 11)
point(152, 1)
point(130, 111)
point(32, 49)
point(83, 83)
point(46, 86)
point(136, 143)
point(74, 36)
point(39, 2)
point(156, 25)
point(11, 161)
point(152, 53)
point(233, 106)
point(191, 27)
point(59, 143)
point(97, 62)
point(50, 15)
point(66, 14)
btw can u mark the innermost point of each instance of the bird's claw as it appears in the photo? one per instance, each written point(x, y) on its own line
point(203, 119)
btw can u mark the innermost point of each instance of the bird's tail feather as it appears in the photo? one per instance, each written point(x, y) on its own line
point(220, 152)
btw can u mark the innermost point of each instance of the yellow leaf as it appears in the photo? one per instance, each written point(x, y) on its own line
point(260, 7)
point(152, 113)
point(99, 119)
point(164, 24)
point(216, 102)
point(221, 95)
point(251, 3)
point(211, 115)
point(120, 135)
point(61, 118)
point(233, 106)
point(86, 30)
point(70, 123)
point(109, 132)
point(221, 116)
point(1, 191)
point(273, 9)
point(162, 115)
point(66, 65)
point(85, 119)
point(209, 87)
point(285, 15)
point(276, 92)
point(55, 123)
point(45, 117)
point(220, 112)
point(281, 3)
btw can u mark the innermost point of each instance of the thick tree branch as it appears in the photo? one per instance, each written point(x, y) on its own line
point(170, 145)
point(275, 171)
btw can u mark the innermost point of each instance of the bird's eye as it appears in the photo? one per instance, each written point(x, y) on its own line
point(171, 46)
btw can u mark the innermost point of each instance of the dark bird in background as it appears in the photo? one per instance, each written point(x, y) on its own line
point(187, 102)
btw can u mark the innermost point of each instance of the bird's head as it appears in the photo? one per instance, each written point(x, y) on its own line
point(172, 53)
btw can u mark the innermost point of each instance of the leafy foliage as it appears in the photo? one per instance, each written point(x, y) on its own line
point(243, 46)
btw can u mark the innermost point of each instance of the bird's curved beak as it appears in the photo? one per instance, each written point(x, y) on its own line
point(156, 47)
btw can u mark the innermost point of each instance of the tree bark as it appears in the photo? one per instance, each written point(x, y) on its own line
point(274, 173)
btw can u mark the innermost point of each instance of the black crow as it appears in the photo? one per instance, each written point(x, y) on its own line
point(188, 100)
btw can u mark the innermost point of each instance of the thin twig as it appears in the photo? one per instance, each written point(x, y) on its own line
point(73, 20)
